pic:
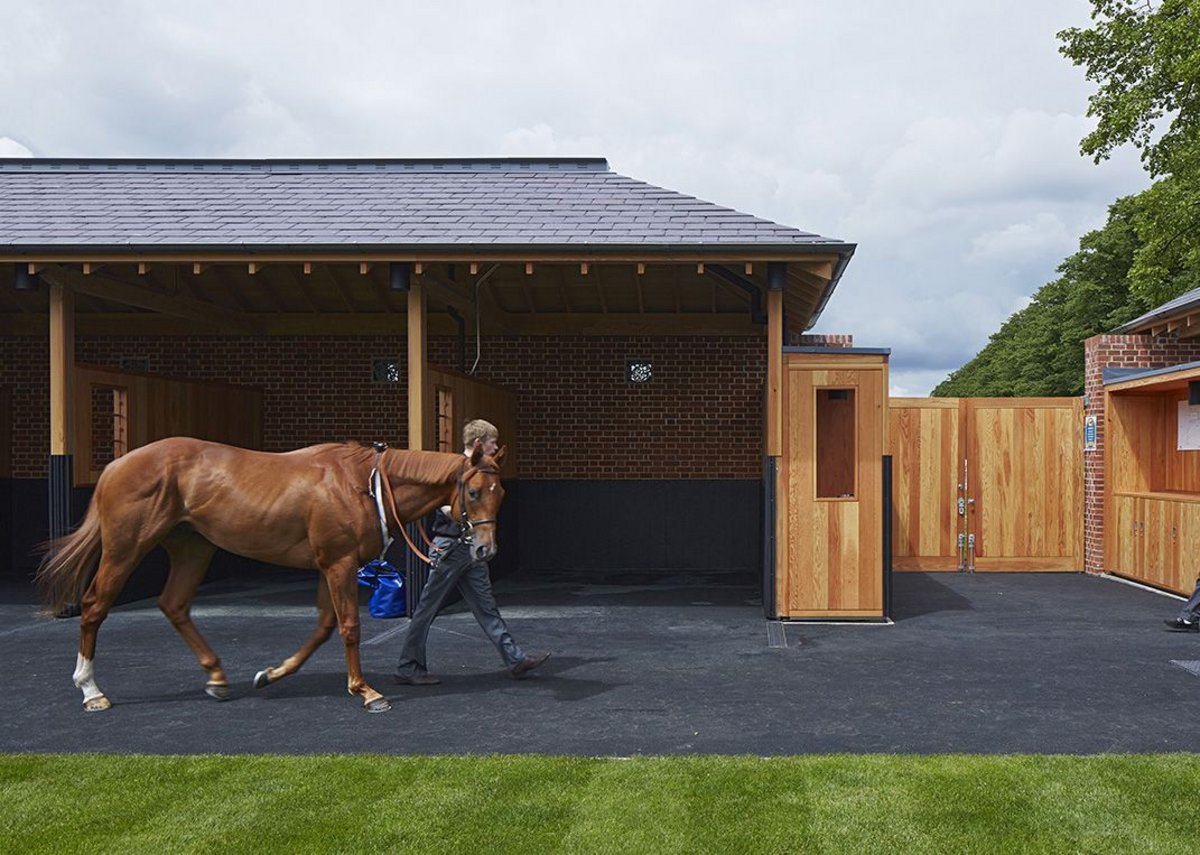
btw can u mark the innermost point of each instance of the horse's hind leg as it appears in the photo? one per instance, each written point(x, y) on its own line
point(190, 555)
point(326, 622)
point(117, 562)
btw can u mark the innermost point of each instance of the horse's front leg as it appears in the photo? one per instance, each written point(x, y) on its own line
point(326, 622)
point(344, 594)
point(190, 555)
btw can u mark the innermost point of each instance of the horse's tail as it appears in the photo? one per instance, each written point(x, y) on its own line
point(67, 566)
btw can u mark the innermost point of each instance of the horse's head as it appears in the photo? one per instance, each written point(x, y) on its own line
point(476, 501)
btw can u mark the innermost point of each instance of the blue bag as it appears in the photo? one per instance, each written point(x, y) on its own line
point(388, 598)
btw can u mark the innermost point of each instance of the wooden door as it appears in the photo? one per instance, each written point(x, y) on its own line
point(925, 440)
point(1025, 482)
point(830, 520)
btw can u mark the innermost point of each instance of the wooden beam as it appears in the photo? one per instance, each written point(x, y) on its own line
point(474, 268)
point(583, 269)
point(198, 268)
point(528, 269)
point(307, 268)
point(62, 368)
point(749, 268)
point(641, 269)
point(524, 254)
point(380, 323)
point(416, 366)
point(774, 373)
point(89, 268)
point(109, 288)
point(253, 267)
point(143, 268)
point(627, 323)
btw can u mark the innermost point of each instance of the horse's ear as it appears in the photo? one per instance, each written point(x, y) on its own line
point(499, 455)
point(476, 453)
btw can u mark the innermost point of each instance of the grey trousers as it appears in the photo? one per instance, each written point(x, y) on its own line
point(452, 567)
point(1191, 609)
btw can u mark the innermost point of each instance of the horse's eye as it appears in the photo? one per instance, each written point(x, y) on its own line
point(473, 494)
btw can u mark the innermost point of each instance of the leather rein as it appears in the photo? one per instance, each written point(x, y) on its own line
point(465, 523)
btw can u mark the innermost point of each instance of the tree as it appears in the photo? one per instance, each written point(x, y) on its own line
point(1145, 60)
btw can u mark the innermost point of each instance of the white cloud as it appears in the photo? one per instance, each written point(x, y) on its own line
point(11, 148)
point(942, 138)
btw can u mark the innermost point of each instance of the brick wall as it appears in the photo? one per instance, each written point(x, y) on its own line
point(820, 340)
point(1116, 351)
point(578, 417)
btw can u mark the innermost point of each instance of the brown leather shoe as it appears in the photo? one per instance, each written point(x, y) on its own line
point(528, 664)
point(417, 680)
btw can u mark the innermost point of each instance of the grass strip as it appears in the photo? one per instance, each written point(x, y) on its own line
point(827, 804)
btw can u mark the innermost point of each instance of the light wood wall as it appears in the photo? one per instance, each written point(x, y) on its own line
point(1152, 501)
point(830, 550)
point(473, 398)
point(1017, 466)
point(159, 407)
point(1025, 473)
point(926, 443)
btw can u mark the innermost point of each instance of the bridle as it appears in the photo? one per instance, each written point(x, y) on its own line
point(466, 525)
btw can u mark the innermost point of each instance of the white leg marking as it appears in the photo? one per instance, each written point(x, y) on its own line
point(85, 678)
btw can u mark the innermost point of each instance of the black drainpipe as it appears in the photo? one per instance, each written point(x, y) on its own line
point(757, 314)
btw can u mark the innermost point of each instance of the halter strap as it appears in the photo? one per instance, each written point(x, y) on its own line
point(465, 523)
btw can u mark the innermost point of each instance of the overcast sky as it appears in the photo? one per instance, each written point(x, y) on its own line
point(940, 137)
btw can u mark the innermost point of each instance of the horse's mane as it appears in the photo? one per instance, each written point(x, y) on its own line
point(404, 466)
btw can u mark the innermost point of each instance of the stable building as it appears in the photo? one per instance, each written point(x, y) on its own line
point(644, 353)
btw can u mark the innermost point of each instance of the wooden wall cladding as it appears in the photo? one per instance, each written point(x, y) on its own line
point(925, 441)
point(473, 398)
point(157, 407)
point(830, 549)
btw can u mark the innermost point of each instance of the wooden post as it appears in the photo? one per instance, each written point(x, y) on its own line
point(774, 373)
point(416, 366)
point(62, 401)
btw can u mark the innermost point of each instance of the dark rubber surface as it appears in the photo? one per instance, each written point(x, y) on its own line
point(982, 664)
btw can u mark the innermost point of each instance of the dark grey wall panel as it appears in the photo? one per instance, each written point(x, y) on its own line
point(642, 525)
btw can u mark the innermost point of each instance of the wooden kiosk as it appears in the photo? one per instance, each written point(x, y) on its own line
point(829, 539)
point(1152, 473)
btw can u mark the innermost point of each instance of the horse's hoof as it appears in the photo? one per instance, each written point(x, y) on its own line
point(220, 691)
point(97, 704)
point(377, 705)
point(262, 678)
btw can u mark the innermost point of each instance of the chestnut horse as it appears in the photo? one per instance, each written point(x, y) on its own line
point(312, 509)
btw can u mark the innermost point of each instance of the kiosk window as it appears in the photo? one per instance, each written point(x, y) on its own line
point(836, 444)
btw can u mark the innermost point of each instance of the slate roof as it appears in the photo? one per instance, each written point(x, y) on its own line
point(273, 204)
point(1180, 305)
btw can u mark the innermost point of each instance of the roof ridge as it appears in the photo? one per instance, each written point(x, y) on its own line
point(316, 164)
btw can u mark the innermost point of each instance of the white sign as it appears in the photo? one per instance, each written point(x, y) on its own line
point(1189, 427)
point(1089, 433)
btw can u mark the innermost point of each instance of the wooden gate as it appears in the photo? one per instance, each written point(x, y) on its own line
point(987, 483)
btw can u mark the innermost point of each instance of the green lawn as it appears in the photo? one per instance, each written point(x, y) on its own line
point(102, 803)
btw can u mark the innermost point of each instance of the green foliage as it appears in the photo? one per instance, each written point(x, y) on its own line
point(828, 804)
point(1145, 61)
